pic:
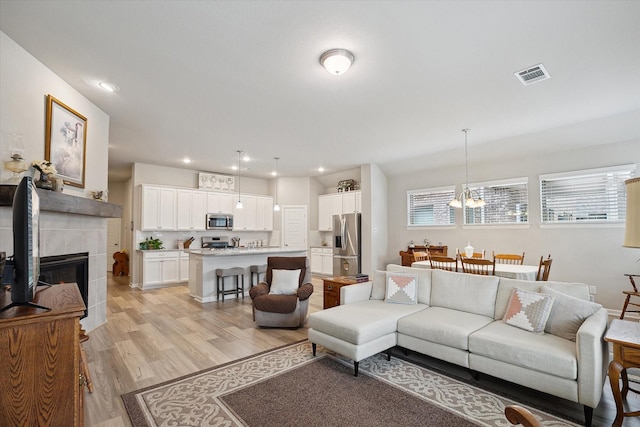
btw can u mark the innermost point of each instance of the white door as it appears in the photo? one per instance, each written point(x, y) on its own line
point(294, 227)
point(113, 240)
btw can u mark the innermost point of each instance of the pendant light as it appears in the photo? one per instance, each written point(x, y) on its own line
point(239, 204)
point(276, 207)
point(466, 197)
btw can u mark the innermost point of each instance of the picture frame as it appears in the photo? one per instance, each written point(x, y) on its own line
point(66, 142)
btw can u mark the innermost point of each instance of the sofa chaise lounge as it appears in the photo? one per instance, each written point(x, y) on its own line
point(458, 317)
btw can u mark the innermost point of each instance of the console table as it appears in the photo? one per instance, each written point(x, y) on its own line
point(332, 287)
point(407, 256)
point(40, 380)
point(625, 337)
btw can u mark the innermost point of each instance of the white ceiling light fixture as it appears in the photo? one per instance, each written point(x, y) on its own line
point(239, 204)
point(109, 87)
point(276, 206)
point(337, 61)
point(466, 197)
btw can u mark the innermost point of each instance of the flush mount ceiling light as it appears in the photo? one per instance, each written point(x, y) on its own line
point(466, 197)
point(337, 61)
point(109, 87)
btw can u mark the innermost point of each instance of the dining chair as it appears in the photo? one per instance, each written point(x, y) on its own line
point(481, 266)
point(544, 268)
point(420, 256)
point(482, 254)
point(517, 415)
point(443, 263)
point(629, 294)
point(508, 258)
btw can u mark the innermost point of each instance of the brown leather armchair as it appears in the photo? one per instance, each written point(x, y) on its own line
point(289, 311)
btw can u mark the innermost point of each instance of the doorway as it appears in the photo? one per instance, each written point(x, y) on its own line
point(294, 227)
point(113, 239)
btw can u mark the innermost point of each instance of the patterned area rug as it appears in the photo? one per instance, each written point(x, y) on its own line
point(288, 386)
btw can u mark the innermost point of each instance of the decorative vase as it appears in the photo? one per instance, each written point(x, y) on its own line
point(45, 182)
point(468, 250)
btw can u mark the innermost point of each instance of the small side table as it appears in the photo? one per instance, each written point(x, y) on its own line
point(625, 337)
point(332, 287)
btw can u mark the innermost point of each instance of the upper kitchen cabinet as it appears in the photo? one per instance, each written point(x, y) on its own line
point(158, 208)
point(336, 204)
point(264, 213)
point(245, 218)
point(220, 203)
point(191, 210)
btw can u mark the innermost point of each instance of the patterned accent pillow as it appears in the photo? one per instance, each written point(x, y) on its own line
point(528, 310)
point(402, 288)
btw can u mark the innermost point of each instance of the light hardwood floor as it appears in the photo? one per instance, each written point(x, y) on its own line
point(157, 335)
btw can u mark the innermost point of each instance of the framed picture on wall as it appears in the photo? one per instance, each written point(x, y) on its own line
point(66, 142)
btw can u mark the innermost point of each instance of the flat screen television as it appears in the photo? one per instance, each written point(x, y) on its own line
point(23, 269)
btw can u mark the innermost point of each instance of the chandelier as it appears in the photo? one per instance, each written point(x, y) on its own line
point(466, 197)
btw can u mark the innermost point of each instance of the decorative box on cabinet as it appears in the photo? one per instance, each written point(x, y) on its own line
point(407, 257)
point(40, 352)
point(332, 287)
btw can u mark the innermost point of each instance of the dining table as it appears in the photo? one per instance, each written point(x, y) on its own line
point(510, 271)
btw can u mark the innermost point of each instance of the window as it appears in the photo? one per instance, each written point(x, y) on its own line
point(507, 202)
point(595, 195)
point(430, 207)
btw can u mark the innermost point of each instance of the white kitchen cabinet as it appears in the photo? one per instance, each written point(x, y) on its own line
point(158, 208)
point(327, 261)
point(264, 213)
point(316, 260)
point(245, 219)
point(160, 269)
point(351, 201)
point(328, 206)
point(191, 210)
point(220, 203)
point(184, 266)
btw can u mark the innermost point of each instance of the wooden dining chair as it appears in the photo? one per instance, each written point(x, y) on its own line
point(629, 294)
point(508, 258)
point(517, 415)
point(443, 263)
point(481, 266)
point(420, 256)
point(544, 268)
point(482, 254)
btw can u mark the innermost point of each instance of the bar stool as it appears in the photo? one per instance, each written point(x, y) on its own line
point(237, 273)
point(257, 270)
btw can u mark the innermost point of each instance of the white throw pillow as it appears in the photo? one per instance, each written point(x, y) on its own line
point(284, 282)
point(567, 314)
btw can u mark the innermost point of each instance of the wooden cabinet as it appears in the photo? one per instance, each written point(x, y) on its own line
point(219, 203)
point(336, 204)
point(407, 256)
point(191, 210)
point(158, 208)
point(40, 352)
point(332, 287)
point(160, 268)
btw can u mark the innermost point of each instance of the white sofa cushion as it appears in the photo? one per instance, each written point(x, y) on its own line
point(379, 285)
point(465, 292)
point(445, 326)
point(544, 353)
point(577, 290)
point(361, 322)
point(424, 280)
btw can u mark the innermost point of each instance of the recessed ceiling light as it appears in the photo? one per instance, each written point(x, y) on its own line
point(320, 169)
point(109, 87)
point(186, 160)
point(246, 158)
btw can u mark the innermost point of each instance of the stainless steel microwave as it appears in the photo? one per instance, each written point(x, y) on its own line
point(219, 221)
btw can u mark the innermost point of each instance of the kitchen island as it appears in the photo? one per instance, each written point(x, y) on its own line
point(204, 262)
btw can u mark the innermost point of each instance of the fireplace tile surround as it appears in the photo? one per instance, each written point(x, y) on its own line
point(61, 233)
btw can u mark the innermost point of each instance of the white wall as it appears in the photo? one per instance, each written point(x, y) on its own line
point(592, 255)
point(24, 86)
point(375, 220)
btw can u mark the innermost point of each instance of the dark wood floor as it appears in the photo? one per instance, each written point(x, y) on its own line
point(157, 335)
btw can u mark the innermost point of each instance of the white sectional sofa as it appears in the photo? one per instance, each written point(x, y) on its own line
point(459, 318)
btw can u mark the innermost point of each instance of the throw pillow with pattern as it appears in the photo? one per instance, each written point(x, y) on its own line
point(402, 288)
point(528, 310)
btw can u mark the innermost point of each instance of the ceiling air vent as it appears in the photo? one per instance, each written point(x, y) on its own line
point(532, 74)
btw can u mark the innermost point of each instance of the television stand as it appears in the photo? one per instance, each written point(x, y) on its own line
point(23, 304)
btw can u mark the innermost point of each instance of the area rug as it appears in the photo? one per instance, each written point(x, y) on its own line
point(289, 387)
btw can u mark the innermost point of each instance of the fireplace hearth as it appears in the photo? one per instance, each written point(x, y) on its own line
point(67, 268)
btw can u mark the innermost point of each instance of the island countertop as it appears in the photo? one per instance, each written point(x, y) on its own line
point(241, 251)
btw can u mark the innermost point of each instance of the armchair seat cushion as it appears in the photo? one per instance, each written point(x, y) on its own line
point(276, 303)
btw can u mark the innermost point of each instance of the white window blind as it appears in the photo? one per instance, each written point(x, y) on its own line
point(507, 202)
point(595, 195)
point(430, 207)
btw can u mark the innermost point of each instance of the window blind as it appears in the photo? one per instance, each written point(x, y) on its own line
point(507, 202)
point(430, 206)
point(594, 195)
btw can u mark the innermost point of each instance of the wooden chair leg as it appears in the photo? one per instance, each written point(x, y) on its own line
point(624, 309)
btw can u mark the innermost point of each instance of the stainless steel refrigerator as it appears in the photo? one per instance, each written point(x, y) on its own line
point(346, 244)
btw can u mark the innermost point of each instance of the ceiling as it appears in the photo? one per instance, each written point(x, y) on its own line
point(203, 79)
